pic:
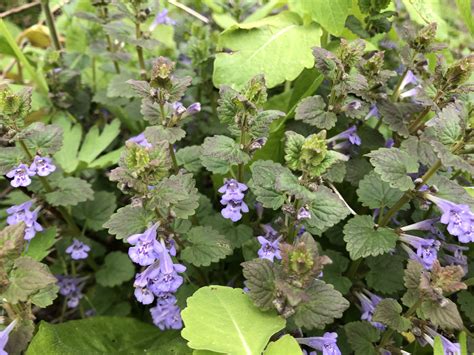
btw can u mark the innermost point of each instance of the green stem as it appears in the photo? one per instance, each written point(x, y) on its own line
point(353, 268)
point(396, 91)
point(141, 60)
point(50, 24)
point(110, 47)
point(243, 144)
point(173, 157)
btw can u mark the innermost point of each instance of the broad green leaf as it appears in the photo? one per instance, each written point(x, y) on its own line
point(465, 300)
point(326, 209)
point(311, 110)
point(393, 165)
point(260, 279)
point(66, 157)
point(438, 348)
point(118, 86)
point(451, 160)
point(96, 212)
point(11, 244)
point(361, 336)
point(323, 305)
point(105, 335)
point(375, 193)
point(333, 272)
point(128, 220)
point(235, 234)
point(219, 153)
point(45, 296)
point(364, 239)
point(40, 246)
point(446, 317)
point(388, 312)
point(106, 160)
point(447, 126)
point(427, 11)
point(223, 319)
point(263, 183)
point(69, 191)
point(28, 277)
point(279, 47)
point(465, 8)
point(330, 14)
point(207, 246)
point(190, 158)
point(160, 134)
point(9, 158)
point(42, 139)
point(96, 142)
point(116, 270)
point(286, 345)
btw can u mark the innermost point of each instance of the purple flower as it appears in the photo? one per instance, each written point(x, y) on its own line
point(78, 250)
point(166, 316)
point(368, 302)
point(22, 213)
point(140, 140)
point(426, 249)
point(4, 337)
point(193, 109)
point(144, 295)
point(457, 257)
point(458, 218)
point(232, 190)
point(374, 112)
point(389, 143)
point(145, 248)
point(327, 343)
point(167, 282)
point(70, 287)
point(303, 213)
point(178, 108)
point(73, 299)
point(233, 210)
point(409, 78)
point(269, 249)
point(43, 166)
point(161, 18)
point(449, 347)
point(352, 106)
point(349, 134)
point(20, 175)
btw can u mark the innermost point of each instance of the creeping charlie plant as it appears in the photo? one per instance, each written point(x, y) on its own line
point(237, 177)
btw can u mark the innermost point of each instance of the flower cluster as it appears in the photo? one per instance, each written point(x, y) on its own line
point(449, 347)
point(160, 279)
point(458, 218)
point(161, 18)
point(368, 302)
point(22, 213)
point(269, 244)
point(70, 287)
point(426, 250)
point(78, 250)
point(21, 175)
point(327, 343)
point(233, 200)
point(140, 140)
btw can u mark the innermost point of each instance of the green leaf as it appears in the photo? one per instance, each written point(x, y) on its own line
point(27, 278)
point(363, 239)
point(326, 209)
point(361, 336)
point(119, 87)
point(96, 142)
point(450, 160)
point(388, 312)
point(466, 13)
point(375, 193)
point(237, 235)
point(9, 158)
point(223, 319)
point(393, 165)
point(128, 220)
point(207, 246)
point(260, 279)
point(331, 14)
point(42, 139)
point(391, 280)
point(421, 149)
point(190, 158)
point(159, 134)
point(96, 212)
point(219, 153)
point(438, 348)
point(447, 126)
point(333, 272)
point(446, 317)
point(286, 345)
point(66, 157)
point(46, 296)
point(69, 191)
point(116, 270)
point(293, 146)
point(178, 194)
point(105, 335)
point(311, 110)
point(397, 115)
point(262, 184)
point(322, 306)
point(40, 246)
point(279, 47)
point(466, 302)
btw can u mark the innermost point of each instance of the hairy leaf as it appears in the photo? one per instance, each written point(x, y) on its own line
point(40, 246)
point(311, 110)
point(69, 191)
point(116, 270)
point(361, 336)
point(260, 280)
point(388, 312)
point(96, 212)
point(219, 153)
point(283, 346)
point(42, 139)
point(375, 193)
point(128, 220)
